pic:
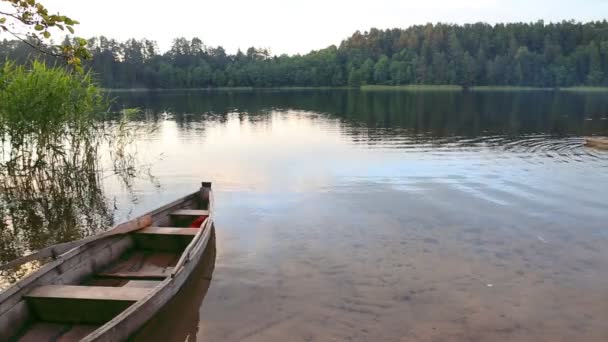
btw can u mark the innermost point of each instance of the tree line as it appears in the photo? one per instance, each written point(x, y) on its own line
point(519, 54)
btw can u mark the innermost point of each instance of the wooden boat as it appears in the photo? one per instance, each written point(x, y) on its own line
point(597, 142)
point(105, 287)
point(186, 305)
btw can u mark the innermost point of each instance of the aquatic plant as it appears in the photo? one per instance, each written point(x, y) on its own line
point(53, 130)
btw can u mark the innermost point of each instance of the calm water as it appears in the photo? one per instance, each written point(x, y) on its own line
point(393, 216)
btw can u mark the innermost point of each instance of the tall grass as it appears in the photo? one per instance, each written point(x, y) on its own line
point(52, 129)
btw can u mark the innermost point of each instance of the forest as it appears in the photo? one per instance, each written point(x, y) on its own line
point(520, 54)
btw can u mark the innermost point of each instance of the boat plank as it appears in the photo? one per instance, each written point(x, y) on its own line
point(174, 243)
point(59, 249)
point(129, 294)
point(144, 270)
point(143, 265)
point(597, 142)
point(82, 304)
point(120, 328)
point(123, 282)
point(168, 231)
point(77, 265)
point(42, 331)
point(137, 274)
point(190, 212)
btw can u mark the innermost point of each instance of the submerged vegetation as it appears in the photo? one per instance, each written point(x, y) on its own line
point(49, 184)
point(520, 54)
point(58, 140)
point(54, 129)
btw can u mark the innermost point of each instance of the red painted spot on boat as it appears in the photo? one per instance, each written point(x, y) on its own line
point(197, 223)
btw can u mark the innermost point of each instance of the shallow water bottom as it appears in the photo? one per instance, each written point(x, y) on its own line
point(438, 264)
point(388, 216)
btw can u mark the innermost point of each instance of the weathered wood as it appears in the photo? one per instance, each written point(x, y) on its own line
point(100, 293)
point(142, 264)
point(205, 227)
point(161, 215)
point(168, 231)
point(186, 304)
point(164, 238)
point(175, 243)
point(597, 142)
point(56, 250)
point(123, 282)
point(128, 321)
point(43, 332)
point(77, 265)
point(13, 320)
point(82, 304)
point(137, 274)
point(91, 260)
point(123, 325)
point(190, 212)
point(73, 267)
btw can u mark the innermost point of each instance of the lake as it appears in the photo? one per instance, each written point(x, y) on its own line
point(384, 216)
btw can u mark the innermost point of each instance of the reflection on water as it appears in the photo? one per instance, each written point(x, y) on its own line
point(430, 114)
point(391, 216)
point(50, 188)
point(345, 215)
point(52, 169)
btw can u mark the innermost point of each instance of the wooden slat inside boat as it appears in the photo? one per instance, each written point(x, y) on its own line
point(107, 287)
point(597, 142)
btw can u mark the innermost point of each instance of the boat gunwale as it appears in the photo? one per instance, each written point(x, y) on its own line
point(198, 247)
point(597, 142)
point(45, 269)
point(145, 308)
point(203, 227)
point(51, 272)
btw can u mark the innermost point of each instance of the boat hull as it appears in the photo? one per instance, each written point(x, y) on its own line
point(599, 143)
point(157, 260)
point(126, 324)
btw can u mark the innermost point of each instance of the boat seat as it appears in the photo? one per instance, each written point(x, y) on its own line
point(192, 218)
point(141, 265)
point(168, 239)
point(143, 275)
point(190, 212)
point(82, 304)
point(168, 231)
point(45, 331)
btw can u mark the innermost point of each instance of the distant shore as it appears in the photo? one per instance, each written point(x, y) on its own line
point(408, 87)
point(422, 87)
point(223, 89)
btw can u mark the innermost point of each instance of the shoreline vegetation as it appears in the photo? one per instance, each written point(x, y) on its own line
point(60, 142)
point(478, 88)
point(408, 87)
point(538, 55)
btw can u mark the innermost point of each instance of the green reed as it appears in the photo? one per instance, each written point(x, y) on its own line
point(53, 130)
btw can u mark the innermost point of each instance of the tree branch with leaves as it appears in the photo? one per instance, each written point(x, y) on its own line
point(30, 22)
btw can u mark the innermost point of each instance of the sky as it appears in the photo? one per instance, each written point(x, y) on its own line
point(291, 27)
